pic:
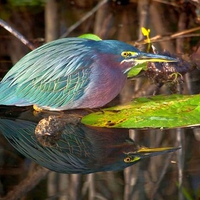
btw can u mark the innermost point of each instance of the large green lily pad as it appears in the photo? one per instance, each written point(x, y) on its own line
point(154, 112)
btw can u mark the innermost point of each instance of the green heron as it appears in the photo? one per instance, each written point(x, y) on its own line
point(66, 147)
point(72, 73)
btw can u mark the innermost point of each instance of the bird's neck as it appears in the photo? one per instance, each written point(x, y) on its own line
point(127, 66)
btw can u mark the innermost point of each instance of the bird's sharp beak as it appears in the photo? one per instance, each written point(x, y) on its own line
point(147, 57)
point(145, 152)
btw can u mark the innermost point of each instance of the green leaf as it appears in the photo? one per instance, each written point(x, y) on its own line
point(185, 192)
point(136, 70)
point(146, 32)
point(90, 36)
point(27, 2)
point(154, 112)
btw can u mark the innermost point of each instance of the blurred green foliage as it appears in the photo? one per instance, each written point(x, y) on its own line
point(26, 2)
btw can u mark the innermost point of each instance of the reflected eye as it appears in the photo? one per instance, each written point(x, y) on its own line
point(127, 159)
point(131, 159)
point(126, 54)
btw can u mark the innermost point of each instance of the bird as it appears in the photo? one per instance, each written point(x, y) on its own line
point(72, 73)
point(73, 148)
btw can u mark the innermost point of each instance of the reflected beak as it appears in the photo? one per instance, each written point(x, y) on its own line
point(145, 152)
point(147, 57)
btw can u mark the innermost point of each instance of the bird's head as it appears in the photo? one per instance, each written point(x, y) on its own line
point(144, 152)
point(127, 56)
point(125, 153)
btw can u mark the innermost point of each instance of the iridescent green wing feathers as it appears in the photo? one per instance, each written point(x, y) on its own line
point(56, 93)
point(52, 75)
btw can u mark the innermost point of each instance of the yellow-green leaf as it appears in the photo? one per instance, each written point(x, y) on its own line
point(155, 112)
point(90, 36)
point(145, 31)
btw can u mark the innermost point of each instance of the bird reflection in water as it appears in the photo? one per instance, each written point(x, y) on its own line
point(63, 144)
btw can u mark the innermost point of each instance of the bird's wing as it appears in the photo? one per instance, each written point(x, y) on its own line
point(69, 155)
point(52, 75)
point(58, 92)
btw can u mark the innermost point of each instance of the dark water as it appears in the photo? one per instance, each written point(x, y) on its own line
point(62, 144)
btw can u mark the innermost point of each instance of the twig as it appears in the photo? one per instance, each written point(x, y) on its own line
point(181, 160)
point(167, 2)
point(161, 176)
point(16, 34)
point(78, 23)
point(161, 38)
point(28, 184)
point(185, 32)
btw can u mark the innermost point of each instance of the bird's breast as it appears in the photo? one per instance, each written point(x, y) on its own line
point(105, 84)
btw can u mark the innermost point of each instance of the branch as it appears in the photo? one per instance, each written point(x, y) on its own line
point(16, 34)
point(160, 38)
point(27, 184)
point(78, 23)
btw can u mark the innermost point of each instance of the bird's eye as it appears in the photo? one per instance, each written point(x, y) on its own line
point(127, 159)
point(131, 159)
point(126, 54)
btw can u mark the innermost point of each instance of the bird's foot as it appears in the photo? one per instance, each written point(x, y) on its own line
point(37, 108)
point(39, 111)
